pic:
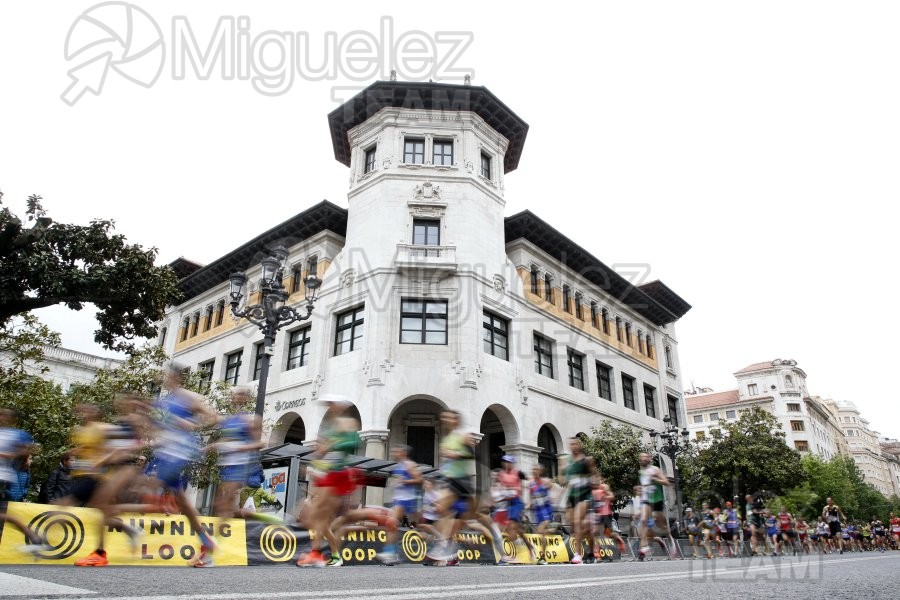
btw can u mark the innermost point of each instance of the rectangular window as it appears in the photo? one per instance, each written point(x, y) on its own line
point(752, 389)
point(370, 160)
point(349, 331)
point(548, 288)
point(543, 356)
point(206, 374)
point(576, 369)
point(797, 426)
point(185, 328)
point(443, 152)
point(604, 381)
point(649, 343)
point(698, 418)
point(423, 322)
point(578, 305)
point(650, 400)
point(496, 335)
point(426, 232)
point(619, 329)
point(567, 296)
point(628, 391)
point(298, 348)
point(640, 337)
point(485, 165)
point(673, 410)
point(594, 316)
point(312, 266)
point(701, 436)
point(801, 445)
point(714, 416)
point(534, 280)
point(258, 362)
point(793, 407)
point(296, 278)
point(628, 341)
point(730, 414)
point(195, 324)
point(414, 151)
point(208, 318)
point(233, 367)
point(604, 315)
point(162, 336)
point(220, 313)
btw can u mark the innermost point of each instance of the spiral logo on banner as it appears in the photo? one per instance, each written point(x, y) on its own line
point(277, 543)
point(509, 548)
point(413, 546)
point(62, 531)
point(575, 545)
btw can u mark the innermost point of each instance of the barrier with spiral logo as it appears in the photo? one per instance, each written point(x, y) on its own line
point(62, 531)
point(278, 543)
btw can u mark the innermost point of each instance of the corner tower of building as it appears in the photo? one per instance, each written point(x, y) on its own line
point(427, 165)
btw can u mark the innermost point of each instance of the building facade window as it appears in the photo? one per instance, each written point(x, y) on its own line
point(548, 287)
point(426, 232)
point(798, 426)
point(220, 313)
point(594, 316)
point(567, 297)
point(414, 151)
point(233, 367)
point(604, 315)
point(423, 322)
point(619, 329)
point(648, 342)
point(669, 364)
point(752, 389)
point(575, 362)
point(259, 357)
point(793, 407)
point(370, 160)
point(714, 416)
point(205, 370)
point(298, 348)
point(604, 381)
point(296, 278)
point(485, 165)
point(650, 400)
point(698, 418)
point(730, 414)
point(162, 335)
point(195, 324)
point(673, 410)
point(208, 318)
point(801, 445)
point(349, 331)
point(640, 336)
point(628, 391)
point(496, 335)
point(443, 152)
point(628, 341)
point(578, 302)
point(543, 356)
point(701, 436)
point(185, 328)
point(534, 279)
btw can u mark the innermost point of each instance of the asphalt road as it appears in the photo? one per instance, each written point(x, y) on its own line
point(868, 575)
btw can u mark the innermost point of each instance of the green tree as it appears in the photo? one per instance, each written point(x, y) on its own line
point(44, 410)
point(746, 456)
point(615, 450)
point(52, 263)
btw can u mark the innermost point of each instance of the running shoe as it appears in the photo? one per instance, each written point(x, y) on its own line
point(203, 560)
point(541, 561)
point(35, 548)
point(387, 558)
point(313, 558)
point(97, 558)
point(134, 537)
point(335, 561)
point(576, 560)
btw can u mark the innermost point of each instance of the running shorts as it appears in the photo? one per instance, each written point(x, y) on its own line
point(342, 482)
point(234, 473)
point(83, 488)
point(515, 509)
point(835, 528)
point(462, 487)
point(409, 506)
point(543, 514)
point(170, 471)
point(757, 520)
point(658, 506)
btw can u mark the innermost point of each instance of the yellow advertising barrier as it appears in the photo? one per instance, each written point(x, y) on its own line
point(73, 533)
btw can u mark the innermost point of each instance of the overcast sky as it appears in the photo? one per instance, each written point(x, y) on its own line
point(746, 151)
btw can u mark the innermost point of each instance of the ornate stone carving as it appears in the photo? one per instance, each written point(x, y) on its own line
point(523, 390)
point(377, 373)
point(427, 191)
point(499, 283)
point(316, 384)
point(467, 379)
point(348, 277)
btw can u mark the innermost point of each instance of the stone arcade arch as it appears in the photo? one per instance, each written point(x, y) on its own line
point(415, 422)
point(550, 443)
point(290, 428)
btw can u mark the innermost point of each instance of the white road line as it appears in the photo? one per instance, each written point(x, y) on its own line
point(15, 585)
point(483, 589)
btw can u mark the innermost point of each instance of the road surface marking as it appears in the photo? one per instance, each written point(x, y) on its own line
point(15, 585)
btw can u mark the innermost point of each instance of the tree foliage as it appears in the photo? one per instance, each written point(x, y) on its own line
point(615, 450)
point(747, 456)
point(52, 263)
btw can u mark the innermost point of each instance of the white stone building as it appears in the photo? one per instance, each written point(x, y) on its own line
point(779, 386)
point(69, 367)
point(865, 448)
point(431, 298)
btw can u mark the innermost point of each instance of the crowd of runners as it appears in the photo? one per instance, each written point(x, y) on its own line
point(141, 457)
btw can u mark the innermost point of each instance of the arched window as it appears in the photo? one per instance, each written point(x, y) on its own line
point(547, 457)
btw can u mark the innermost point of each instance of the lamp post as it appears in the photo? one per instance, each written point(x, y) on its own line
point(270, 314)
point(674, 442)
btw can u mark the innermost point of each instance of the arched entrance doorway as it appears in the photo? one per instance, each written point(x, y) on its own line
point(547, 440)
point(416, 423)
point(296, 432)
point(290, 428)
point(498, 427)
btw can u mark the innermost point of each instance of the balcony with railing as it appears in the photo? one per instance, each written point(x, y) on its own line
point(419, 258)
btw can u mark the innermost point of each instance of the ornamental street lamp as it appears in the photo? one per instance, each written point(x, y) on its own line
point(270, 314)
point(673, 443)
